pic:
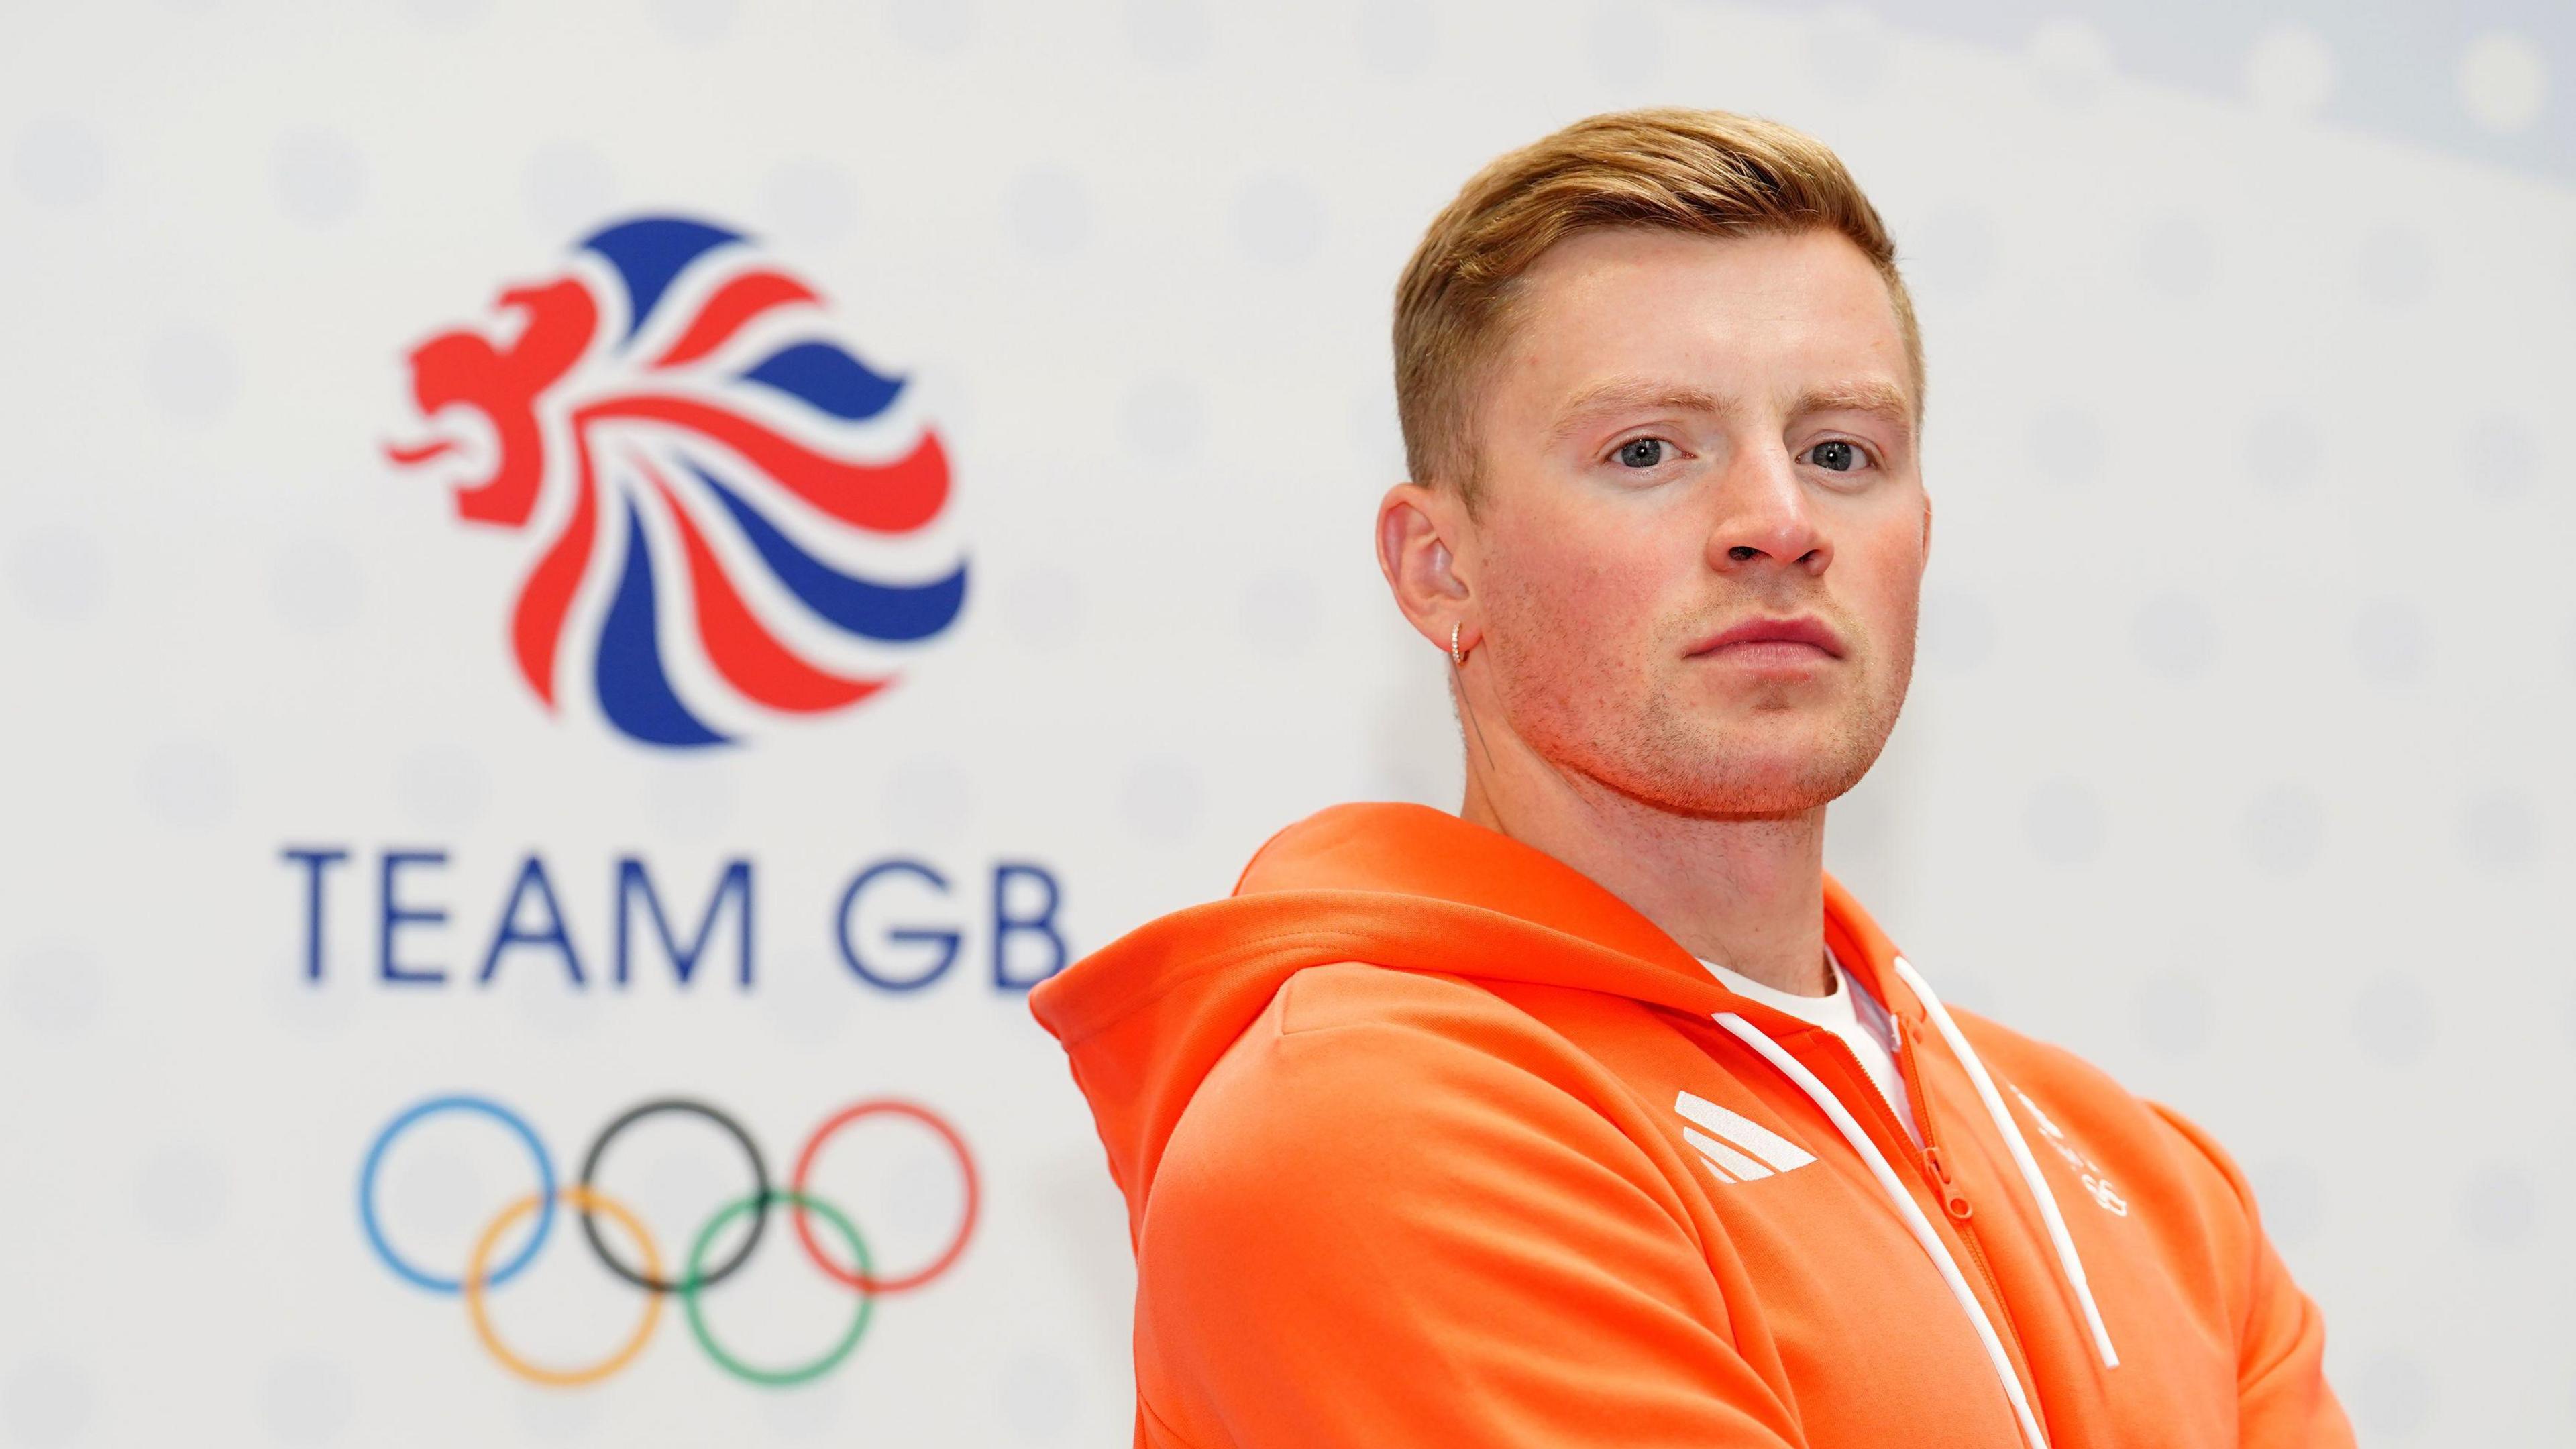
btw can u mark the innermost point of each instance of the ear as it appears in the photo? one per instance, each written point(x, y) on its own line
point(1927, 526)
point(1415, 526)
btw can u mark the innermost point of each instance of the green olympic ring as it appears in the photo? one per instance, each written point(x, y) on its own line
point(691, 1280)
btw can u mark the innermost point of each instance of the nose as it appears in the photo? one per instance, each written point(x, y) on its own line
point(1765, 518)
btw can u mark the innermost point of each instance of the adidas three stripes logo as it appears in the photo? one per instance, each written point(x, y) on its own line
point(1735, 1148)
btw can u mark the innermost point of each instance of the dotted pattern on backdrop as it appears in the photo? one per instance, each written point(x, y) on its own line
point(2486, 81)
point(2235, 762)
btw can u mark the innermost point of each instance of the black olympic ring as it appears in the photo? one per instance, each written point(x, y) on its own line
point(590, 1172)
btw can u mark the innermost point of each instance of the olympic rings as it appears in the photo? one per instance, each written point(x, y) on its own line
point(862, 1280)
point(376, 1158)
point(695, 1277)
point(775, 1378)
point(759, 1193)
point(580, 1196)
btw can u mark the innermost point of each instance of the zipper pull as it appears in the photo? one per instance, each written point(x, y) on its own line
point(1953, 1201)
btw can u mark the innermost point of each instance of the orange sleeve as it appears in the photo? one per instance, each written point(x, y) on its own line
point(2283, 1401)
point(1394, 1234)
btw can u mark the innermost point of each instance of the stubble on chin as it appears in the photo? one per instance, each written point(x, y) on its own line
point(1655, 739)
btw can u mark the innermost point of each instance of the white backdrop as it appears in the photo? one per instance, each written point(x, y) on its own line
point(2237, 758)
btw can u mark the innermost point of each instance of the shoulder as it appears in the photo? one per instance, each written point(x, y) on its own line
point(1352, 1051)
point(1383, 1131)
point(2062, 1095)
point(2143, 1154)
point(1399, 1210)
point(1361, 1087)
point(2062, 1087)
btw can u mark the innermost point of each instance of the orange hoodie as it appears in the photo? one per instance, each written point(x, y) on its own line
point(1428, 1140)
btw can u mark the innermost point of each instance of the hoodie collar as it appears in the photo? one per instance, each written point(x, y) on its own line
point(1417, 851)
point(1145, 1018)
point(1413, 888)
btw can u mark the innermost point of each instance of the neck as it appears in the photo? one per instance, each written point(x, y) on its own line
point(1747, 892)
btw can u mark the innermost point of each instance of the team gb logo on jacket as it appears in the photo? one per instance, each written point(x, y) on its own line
point(729, 518)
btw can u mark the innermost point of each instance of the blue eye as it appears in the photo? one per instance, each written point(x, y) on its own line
point(1643, 453)
point(1839, 456)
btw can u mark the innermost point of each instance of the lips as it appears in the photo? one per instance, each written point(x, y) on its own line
point(1774, 637)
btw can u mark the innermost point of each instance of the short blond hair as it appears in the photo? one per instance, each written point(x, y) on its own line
point(1710, 173)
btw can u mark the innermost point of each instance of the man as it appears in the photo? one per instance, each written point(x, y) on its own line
point(1597, 1114)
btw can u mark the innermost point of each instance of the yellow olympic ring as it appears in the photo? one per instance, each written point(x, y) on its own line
point(478, 1266)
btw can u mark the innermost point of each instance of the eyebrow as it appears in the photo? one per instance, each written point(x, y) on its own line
point(1620, 394)
point(1879, 399)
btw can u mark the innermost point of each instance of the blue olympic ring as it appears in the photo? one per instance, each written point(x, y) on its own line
point(375, 1159)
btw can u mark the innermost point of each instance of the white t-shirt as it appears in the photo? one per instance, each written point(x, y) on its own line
point(1849, 1012)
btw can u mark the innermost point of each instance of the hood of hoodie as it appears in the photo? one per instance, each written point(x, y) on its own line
point(1406, 887)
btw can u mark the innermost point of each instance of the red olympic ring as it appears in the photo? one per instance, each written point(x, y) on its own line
point(863, 1281)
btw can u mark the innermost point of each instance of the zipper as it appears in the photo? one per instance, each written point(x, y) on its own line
point(2002, 1345)
point(1927, 1158)
point(1953, 1201)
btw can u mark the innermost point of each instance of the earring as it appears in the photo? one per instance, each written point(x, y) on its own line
point(1457, 655)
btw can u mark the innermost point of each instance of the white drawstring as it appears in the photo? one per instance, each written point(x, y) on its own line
point(2068, 1262)
point(1906, 1208)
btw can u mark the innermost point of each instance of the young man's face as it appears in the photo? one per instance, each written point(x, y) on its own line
point(1686, 436)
